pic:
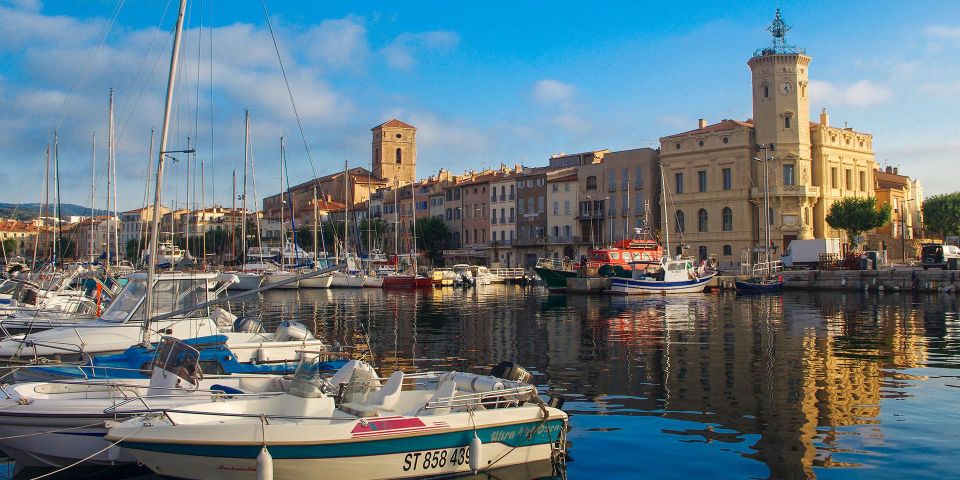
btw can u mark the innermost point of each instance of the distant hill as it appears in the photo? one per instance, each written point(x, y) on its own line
point(26, 211)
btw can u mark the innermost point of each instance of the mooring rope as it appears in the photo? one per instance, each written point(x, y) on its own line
point(88, 457)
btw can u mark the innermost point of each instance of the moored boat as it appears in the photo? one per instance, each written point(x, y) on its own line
point(670, 276)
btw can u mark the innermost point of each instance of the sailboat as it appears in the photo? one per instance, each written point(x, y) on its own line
point(671, 275)
point(249, 276)
point(320, 281)
point(762, 280)
point(281, 274)
point(351, 277)
point(413, 279)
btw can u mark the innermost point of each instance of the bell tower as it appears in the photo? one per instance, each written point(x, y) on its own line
point(781, 94)
point(394, 152)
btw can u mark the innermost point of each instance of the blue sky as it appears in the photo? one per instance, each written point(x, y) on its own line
point(484, 82)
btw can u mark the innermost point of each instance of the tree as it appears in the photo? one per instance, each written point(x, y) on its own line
point(133, 249)
point(10, 247)
point(856, 215)
point(431, 234)
point(941, 214)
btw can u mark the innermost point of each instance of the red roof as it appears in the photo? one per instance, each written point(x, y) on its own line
point(720, 126)
point(394, 123)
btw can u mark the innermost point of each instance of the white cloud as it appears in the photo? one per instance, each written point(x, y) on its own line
point(340, 43)
point(402, 53)
point(943, 33)
point(677, 123)
point(26, 5)
point(571, 122)
point(548, 91)
point(863, 93)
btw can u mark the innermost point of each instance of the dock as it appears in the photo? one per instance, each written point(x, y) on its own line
point(884, 280)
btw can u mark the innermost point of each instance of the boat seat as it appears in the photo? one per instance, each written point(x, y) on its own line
point(441, 401)
point(383, 399)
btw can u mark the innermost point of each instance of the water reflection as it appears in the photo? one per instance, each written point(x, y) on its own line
point(798, 386)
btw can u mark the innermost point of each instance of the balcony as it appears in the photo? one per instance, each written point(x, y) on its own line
point(599, 214)
point(510, 197)
point(787, 191)
point(526, 242)
point(563, 239)
point(511, 220)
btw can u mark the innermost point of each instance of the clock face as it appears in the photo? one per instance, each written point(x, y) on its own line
point(786, 87)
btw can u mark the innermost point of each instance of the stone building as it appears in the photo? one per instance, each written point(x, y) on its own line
point(562, 239)
point(530, 243)
point(893, 189)
point(394, 151)
point(715, 173)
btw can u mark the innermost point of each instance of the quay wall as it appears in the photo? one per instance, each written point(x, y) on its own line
point(889, 280)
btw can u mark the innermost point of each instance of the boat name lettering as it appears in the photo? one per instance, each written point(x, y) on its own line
point(431, 459)
point(237, 468)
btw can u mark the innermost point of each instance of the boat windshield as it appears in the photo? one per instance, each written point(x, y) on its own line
point(169, 295)
point(8, 286)
point(179, 359)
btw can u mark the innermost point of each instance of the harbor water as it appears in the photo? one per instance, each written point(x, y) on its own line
point(803, 385)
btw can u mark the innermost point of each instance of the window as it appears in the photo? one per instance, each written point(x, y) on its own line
point(625, 181)
point(531, 206)
point(457, 213)
point(863, 181)
point(503, 218)
point(541, 205)
point(833, 177)
point(566, 230)
point(566, 207)
point(766, 91)
point(555, 187)
point(556, 206)
point(788, 178)
point(556, 231)
point(703, 252)
point(770, 215)
point(399, 156)
point(679, 216)
point(494, 236)
point(702, 180)
point(613, 207)
point(638, 178)
point(786, 121)
point(626, 204)
point(727, 250)
point(511, 192)
point(566, 187)
point(520, 206)
point(701, 220)
point(727, 178)
point(466, 236)
point(493, 216)
point(591, 182)
point(511, 214)
point(456, 194)
point(848, 179)
point(611, 180)
point(679, 181)
point(727, 219)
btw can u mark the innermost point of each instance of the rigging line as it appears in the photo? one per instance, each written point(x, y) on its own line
point(293, 102)
point(213, 165)
point(141, 82)
point(94, 454)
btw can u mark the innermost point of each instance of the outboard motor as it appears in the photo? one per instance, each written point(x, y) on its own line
point(289, 330)
point(511, 371)
point(248, 325)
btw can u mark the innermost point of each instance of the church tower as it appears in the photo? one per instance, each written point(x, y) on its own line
point(781, 101)
point(394, 152)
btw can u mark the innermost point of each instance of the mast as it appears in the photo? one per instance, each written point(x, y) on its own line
point(186, 203)
point(58, 237)
point(233, 218)
point(93, 190)
point(315, 250)
point(283, 219)
point(396, 229)
point(666, 225)
point(46, 199)
point(203, 216)
point(346, 216)
point(112, 174)
point(146, 195)
point(246, 160)
point(293, 223)
point(413, 244)
point(155, 221)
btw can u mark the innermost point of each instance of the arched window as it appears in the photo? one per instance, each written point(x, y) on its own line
point(679, 215)
point(727, 219)
point(701, 220)
point(399, 156)
point(591, 182)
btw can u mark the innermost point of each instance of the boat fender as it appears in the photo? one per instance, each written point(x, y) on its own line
point(475, 453)
point(264, 464)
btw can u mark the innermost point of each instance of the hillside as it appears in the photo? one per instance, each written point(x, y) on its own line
point(26, 211)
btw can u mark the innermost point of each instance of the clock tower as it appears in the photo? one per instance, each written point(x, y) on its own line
point(781, 94)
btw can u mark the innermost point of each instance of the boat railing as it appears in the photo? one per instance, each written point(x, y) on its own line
point(211, 395)
point(507, 397)
point(767, 269)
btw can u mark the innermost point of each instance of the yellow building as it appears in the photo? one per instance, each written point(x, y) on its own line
point(714, 175)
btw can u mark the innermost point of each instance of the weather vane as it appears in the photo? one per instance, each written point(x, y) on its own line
point(778, 28)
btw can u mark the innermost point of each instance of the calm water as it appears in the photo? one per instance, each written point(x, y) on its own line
point(701, 386)
point(799, 386)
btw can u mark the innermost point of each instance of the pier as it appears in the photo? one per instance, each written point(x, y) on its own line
point(885, 280)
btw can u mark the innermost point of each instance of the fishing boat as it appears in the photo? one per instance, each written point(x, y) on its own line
point(59, 423)
point(669, 276)
point(355, 425)
point(610, 261)
point(760, 285)
point(406, 280)
point(555, 273)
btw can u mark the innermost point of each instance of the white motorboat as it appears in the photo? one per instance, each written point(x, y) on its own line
point(372, 281)
point(122, 323)
point(54, 424)
point(247, 281)
point(355, 426)
point(669, 276)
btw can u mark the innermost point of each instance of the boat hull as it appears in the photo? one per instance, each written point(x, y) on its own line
point(247, 281)
point(375, 457)
point(407, 281)
point(751, 287)
point(320, 281)
point(346, 281)
point(555, 280)
point(59, 449)
point(629, 286)
point(372, 282)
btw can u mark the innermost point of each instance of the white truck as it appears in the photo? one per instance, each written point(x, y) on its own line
point(806, 253)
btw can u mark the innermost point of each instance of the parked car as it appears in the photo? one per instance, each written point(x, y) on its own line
point(938, 255)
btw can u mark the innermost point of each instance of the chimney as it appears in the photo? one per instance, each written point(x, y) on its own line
point(889, 169)
point(702, 123)
point(824, 118)
point(895, 170)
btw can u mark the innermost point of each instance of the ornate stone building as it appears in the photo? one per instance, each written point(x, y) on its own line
point(714, 175)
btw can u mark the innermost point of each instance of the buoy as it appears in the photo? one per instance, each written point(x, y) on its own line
point(476, 457)
point(265, 464)
point(880, 288)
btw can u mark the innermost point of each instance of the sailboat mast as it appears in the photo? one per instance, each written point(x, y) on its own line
point(666, 225)
point(146, 196)
point(243, 205)
point(283, 215)
point(46, 199)
point(113, 175)
point(93, 190)
point(58, 238)
point(315, 250)
point(346, 215)
point(413, 232)
point(155, 221)
point(233, 218)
